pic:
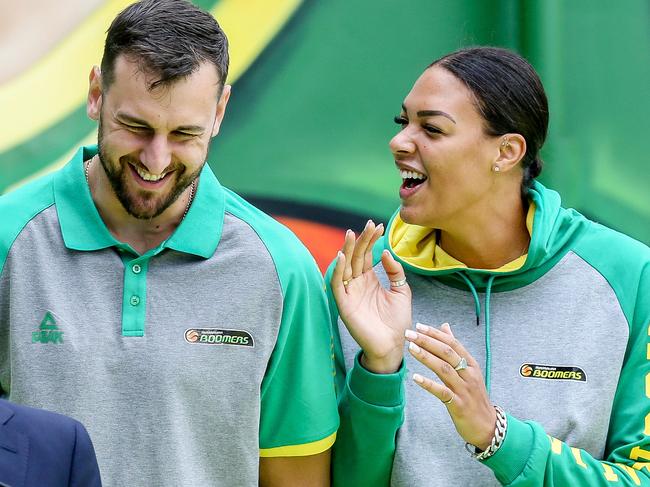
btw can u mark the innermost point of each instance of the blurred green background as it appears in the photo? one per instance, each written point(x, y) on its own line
point(310, 117)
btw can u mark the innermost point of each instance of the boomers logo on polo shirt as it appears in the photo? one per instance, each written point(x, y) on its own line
point(552, 372)
point(216, 336)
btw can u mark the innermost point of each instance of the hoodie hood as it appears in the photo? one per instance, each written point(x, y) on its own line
point(553, 231)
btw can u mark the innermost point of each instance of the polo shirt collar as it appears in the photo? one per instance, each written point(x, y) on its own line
point(83, 228)
point(200, 231)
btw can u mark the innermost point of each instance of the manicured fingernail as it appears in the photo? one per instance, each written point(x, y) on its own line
point(422, 327)
point(381, 225)
point(414, 348)
point(410, 334)
point(418, 378)
point(446, 325)
point(339, 254)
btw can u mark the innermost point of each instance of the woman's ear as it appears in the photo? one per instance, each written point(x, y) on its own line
point(512, 149)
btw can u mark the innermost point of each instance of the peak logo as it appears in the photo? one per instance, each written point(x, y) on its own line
point(215, 336)
point(48, 330)
point(552, 372)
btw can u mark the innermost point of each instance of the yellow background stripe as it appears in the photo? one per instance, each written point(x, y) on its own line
point(300, 450)
point(249, 25)
point(58, 83)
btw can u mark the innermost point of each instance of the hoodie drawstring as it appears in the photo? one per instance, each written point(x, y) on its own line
point(488, 352)
point(477, 305)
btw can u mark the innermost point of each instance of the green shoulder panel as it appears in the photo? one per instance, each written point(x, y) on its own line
point(301, 363)
point(339, 361)
point(19, 207)
point(625, 264)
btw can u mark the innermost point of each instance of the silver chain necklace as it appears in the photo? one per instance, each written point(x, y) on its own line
point(189, 201)
point(191, 198)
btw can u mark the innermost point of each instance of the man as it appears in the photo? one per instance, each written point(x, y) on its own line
point(186, 329)
point(42, 448)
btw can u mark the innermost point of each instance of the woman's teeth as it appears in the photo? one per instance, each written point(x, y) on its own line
point(411, 175)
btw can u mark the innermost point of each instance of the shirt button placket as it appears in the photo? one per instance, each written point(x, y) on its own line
point(134, 297)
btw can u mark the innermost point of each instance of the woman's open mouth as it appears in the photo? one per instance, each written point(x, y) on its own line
point(411, 181)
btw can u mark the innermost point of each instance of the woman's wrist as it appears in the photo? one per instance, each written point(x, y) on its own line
point(497, 438)
point(388, 364)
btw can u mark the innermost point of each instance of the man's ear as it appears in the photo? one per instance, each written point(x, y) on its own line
point(221, 109)
point(512, 149)
point(94, 103)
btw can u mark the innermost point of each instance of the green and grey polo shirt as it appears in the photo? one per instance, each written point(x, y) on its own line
point(185, 363)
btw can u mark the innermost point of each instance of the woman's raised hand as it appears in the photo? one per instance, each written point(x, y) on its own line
point(375, 317)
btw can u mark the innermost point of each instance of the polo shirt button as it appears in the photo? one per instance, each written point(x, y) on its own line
point(135, 300)
point(136, 269)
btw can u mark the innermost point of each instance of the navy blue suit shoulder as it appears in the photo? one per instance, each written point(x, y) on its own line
point(39, 448)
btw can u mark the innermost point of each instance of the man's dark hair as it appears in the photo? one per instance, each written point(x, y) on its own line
point(509, 96)
point(169, 39)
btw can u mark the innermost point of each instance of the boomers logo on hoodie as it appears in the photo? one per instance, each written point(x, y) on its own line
point(552, 372)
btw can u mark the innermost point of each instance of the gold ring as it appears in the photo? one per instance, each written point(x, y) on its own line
point(346, 281)
point(399, 283)
point(447, 403)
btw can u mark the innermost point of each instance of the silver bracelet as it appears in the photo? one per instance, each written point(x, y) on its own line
point(497, 439)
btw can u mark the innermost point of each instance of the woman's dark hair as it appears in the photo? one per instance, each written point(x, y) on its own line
point(169, 39)
point(508, 94)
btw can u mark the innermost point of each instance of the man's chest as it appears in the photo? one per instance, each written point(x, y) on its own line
point(167, 321)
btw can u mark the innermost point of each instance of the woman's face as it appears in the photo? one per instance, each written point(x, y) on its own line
point(442, 141)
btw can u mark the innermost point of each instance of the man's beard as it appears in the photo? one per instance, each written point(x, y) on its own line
point(140, 203)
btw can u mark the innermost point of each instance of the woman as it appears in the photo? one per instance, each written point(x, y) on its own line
point(540, 371)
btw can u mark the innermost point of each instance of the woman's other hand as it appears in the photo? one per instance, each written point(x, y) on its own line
point(375, 317)
point(462, 389)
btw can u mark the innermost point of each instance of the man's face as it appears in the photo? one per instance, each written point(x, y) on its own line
point(153, 144)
